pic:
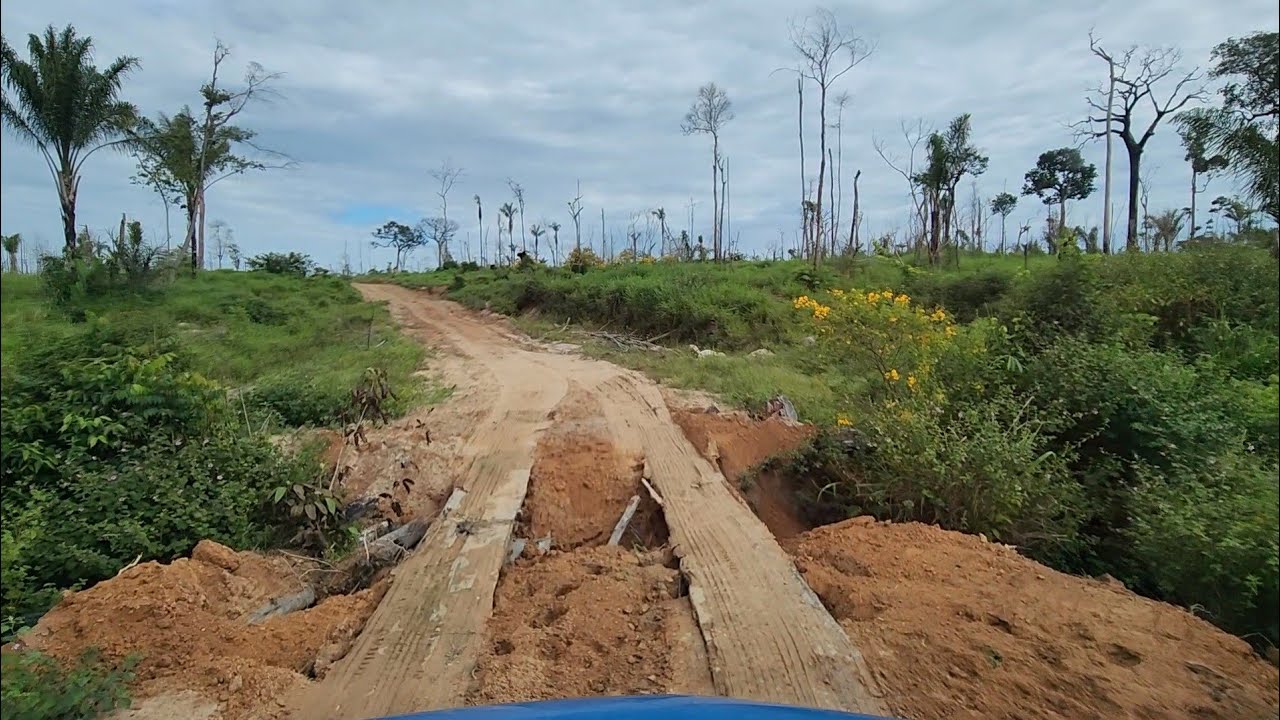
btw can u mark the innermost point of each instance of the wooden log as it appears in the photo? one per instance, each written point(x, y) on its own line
point(304, 598)
point(627, 514)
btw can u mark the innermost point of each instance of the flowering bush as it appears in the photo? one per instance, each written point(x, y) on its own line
point(885, 335)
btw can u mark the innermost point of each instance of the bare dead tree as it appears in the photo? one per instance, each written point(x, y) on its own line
point(707, 116)
point(480, 228)
point(446, 175)
point(575, 212)
point(827, 51)
point(1140, 78)
point(914, 135)
point(1110, 60)
point(804, 182)
point(842, 100)
point(517, 191)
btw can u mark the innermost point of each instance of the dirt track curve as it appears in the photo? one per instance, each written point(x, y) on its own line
point(767, 635)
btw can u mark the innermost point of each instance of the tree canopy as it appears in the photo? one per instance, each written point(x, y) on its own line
point(1060, 175)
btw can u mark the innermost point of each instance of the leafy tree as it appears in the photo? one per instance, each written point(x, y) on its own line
point(399, 236)
point(11, 243)
point(1165, 228)
point(69, 109)
point(1195, 139)
point(1060, 175)
point(183, 155)
point(710, 111)
point(292, 263)
point(439, 230)
point(1234, 210)
point(1003, 205)
point(950, 156)
point(1246, 129)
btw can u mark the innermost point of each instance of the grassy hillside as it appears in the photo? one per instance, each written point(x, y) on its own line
point(1105, 414)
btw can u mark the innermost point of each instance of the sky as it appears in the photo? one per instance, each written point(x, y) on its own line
point(374, 96)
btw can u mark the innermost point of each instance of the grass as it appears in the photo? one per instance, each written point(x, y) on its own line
point(301, 344)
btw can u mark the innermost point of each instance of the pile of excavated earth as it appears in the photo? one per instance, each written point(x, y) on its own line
point(583, 603)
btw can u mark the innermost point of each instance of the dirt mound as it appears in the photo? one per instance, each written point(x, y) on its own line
point(580, 484)
point(737, 444)
point(595, 621)
point(957, 627)
point(187, 623)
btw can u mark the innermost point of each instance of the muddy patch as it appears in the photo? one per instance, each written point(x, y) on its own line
point(593, 621)
point(738, 444)
point(957, 627)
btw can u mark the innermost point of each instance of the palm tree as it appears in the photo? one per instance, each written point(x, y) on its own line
point(1165, 227)
point(537, 231)
point(661, 214)
point(508, 211)
point(64, 106)
point(11, 243)
point(555, 241)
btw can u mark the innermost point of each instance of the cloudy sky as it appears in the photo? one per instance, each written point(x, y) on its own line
point(375, 95)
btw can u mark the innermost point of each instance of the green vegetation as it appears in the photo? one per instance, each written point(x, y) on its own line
point(35, 687)
point(145, 427)
point(1101, 413)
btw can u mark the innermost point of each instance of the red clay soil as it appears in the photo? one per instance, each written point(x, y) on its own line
point(187, 622)
point(737, 444)
point(593, 621)
point(580, 484)
point(957, 627)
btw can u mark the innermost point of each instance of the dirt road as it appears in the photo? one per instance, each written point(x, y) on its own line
point(767, 636)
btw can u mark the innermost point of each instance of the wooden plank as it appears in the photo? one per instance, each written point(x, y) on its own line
point(621, 527)
point(768, 636)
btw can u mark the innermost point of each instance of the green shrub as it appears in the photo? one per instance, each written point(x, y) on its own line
point(113, 450)
point(297, 399)
point(34, 686)
point(292, 263)
point(1210, 542)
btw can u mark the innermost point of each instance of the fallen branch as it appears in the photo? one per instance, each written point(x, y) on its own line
point(627, 514)
point(624, 341)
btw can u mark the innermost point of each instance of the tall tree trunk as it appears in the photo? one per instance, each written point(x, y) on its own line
point(200, 227)
point(935, 228)
point(1003, 223)
point(804, 188)
point(715, 196)
point(854, 241)
point(1062, 216)
point(1106, 181)
point(831, 198)
point(1135, 166)
point(13, 262)
point(67, 201)
point(819, 239)
point(1191, 233)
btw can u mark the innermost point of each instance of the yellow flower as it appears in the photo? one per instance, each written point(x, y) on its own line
point(951, 331)
point(873, 297)
point(843, 420)
point(902, 299)
point(892, 375)
point(837, 292)
point(893, 318)
point(820, 312)
point(938, 315)
point(912, 382)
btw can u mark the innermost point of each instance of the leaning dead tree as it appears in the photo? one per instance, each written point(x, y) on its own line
point(1150, 77)
point(827, 51)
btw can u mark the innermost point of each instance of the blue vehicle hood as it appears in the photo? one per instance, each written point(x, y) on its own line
point(643, 707)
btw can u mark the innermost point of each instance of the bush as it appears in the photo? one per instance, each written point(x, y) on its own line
point(1210, 542)
point(297, 399)
point(113, 450)
point(36, 687)
point(292, 263)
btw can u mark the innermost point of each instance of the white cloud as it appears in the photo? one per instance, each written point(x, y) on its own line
point(374, 96)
